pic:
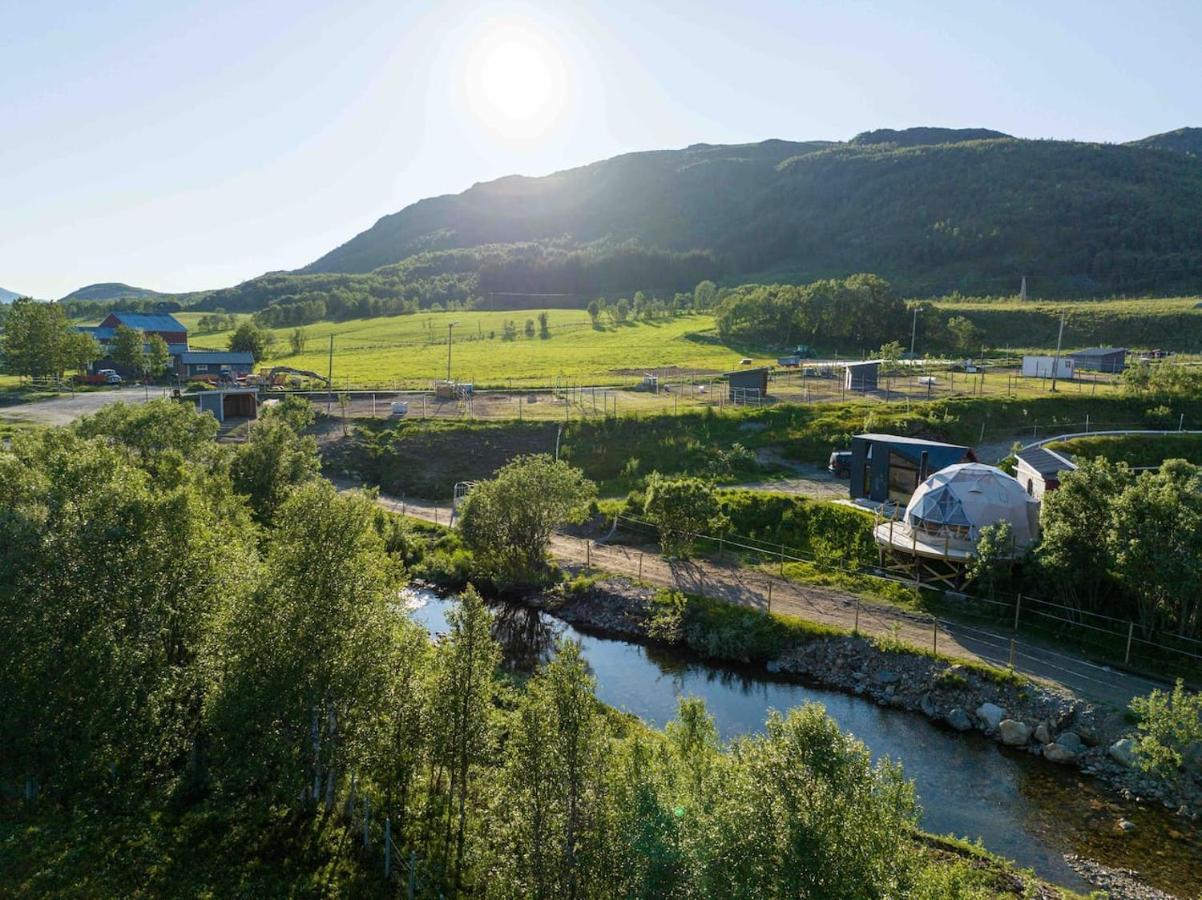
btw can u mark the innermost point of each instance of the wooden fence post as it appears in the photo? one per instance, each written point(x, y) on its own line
point(1012, 654)
point(1130, 635)
point(640, 565)
point(935, 636)
point(588, 554)
point(782, 560)
point(855, 629)
point(769, 595)
point(1017, 609)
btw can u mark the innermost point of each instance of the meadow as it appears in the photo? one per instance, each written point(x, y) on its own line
point(411, 350)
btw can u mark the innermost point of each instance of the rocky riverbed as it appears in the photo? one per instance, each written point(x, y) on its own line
point(1046, 721)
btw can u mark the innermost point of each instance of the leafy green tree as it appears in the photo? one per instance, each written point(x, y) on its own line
point(1075, 520)
point(307, 656)
point(544, 326)
point(463, 694)
point(248, 338)
point(80, 350)
point(995, 552)
point(705, 295)
point(158, 356)
point(297, 411)
point(966, 336)
point(109, 580)
point(594, 312)
point(529, 328)
point(298, 340)
point(682, 508)
point(273, 461)
point(622, 311)
point(155, 431)
point(1170, 725)
point(508, 520)
point(1156, 540)
point(34, 341)
point(129, 349)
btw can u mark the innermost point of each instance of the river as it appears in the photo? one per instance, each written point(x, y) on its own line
point(1016, 805)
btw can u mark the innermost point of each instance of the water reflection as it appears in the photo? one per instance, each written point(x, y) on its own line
point(968, 785)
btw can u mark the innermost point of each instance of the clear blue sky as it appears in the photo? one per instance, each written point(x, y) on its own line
point(182, 146)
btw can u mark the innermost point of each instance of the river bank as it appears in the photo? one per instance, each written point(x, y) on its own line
point(1110, 817)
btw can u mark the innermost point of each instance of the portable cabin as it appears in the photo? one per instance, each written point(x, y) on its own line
point(890, 467)
point(862, 376)
point(1101, 359)
point(1048, 367)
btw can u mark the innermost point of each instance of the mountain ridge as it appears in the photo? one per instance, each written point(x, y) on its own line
point(924, 206)
point(106, 291)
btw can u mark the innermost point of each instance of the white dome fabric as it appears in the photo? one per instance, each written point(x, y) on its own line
point(957, 502)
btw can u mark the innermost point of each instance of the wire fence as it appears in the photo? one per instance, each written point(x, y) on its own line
point(1103, 638)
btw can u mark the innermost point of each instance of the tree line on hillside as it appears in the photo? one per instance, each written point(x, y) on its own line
point(215, 630)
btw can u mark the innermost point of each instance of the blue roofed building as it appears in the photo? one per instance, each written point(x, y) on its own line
point(219, 363)
point(165, 325)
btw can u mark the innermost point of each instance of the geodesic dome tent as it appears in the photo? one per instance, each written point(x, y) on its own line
point(957, 502)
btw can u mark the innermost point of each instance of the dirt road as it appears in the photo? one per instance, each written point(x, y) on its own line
point(65, 410)
point(738, 584)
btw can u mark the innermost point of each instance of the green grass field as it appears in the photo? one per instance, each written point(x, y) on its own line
point(412, 349)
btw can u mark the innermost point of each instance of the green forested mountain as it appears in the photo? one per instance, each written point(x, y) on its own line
point(1183, 140)
point(932, 210)
point(109, 290)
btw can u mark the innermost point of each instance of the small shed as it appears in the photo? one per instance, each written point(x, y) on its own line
point(1101, 359)
point(890, 467)
point(1039, 470)
point(227, 403)
point(748, 385)
point(862, 376)
point(192, 363)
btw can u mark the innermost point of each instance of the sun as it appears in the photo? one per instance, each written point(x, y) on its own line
point(516, 81)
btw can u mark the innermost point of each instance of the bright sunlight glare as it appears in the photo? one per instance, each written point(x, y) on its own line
point(516, 81)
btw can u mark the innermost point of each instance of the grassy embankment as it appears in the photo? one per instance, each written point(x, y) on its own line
point(1135, 450)
point(1169, 323)
point(426, 458)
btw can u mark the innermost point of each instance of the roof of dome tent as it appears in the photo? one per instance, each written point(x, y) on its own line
point(973, 495)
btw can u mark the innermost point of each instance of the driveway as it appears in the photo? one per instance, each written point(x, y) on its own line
point(65, 410)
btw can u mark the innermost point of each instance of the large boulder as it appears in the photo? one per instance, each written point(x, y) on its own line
point(1013, 732)
point(1058, 753)
point(1042, 734)
point(958, 719)
point(1070, 741)
point(991, 715)
point(1123, 752)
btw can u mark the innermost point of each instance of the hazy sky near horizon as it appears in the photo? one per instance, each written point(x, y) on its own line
point(189, 145)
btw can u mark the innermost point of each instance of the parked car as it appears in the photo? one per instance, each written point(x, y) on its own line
point(840, 464)
point(110, 376)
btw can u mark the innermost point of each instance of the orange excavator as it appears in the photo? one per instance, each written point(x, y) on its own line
point(285, 376)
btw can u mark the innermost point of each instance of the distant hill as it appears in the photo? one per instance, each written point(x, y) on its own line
point(932, 209)
point(8, 296)
point(110, 290)
point(1183, 140)
point(917, 137)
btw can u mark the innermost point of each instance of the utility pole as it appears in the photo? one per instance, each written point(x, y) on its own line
point(450, 325)
point(913, 330)
point(330, 378)
point(1022, 292)
point(1056, 358)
